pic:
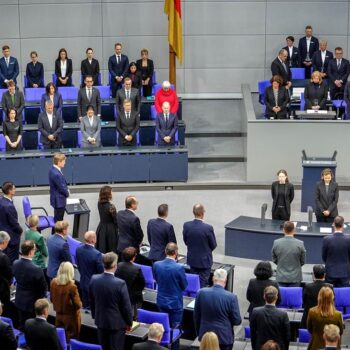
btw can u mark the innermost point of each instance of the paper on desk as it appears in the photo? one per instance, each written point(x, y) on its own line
point(191, 304)
point(73, 201)
point(303, 228)
point(326, 229)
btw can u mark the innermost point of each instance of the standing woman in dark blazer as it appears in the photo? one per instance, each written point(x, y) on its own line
point(326, 197)
point(276, 99)
point(12, 130)
point(107, 229)
point(135, 76)
point(63, 69)
point(146, 68)
point(54, 96)
point(316, 92)
point(282, 192)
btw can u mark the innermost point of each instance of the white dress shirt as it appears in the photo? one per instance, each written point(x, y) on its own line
point(50, 117)
point(63, 68)
point(323, 56)
point(290, 48)
point(308, 42)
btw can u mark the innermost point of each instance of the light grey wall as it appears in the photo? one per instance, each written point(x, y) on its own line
point(226, 43)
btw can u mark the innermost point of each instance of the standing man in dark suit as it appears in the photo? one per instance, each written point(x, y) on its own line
point(321, 58)
point(336, 255)
point(90, 66)
point(280, 67)
point(308, 45)
point(110, 305)
point(130, 231)
point(159, 234)
point(88, 96)
point(13, 99)
point(31, 283)
point(128, 124)
point(128, 93)
point(155, 334)
point(58, 186)
point(200, 240)
point(9, 220)
point(133, 277)
point(166, 126)
point(41, 335)
point(338, 72)
point(269, 323)
point(118, 65)
point(293, 53)
point(9, 68)
point(58, 249)
point(171, 279)
point(35, 72)
point(217, 310)
point(89, 261)
point(50, 125)
point(7, 337)
point(310, 291)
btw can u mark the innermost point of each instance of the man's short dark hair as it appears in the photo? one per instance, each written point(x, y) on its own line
point(291, 38)
point(88, 76)
point(338, 48)
point(338, 222)
point(270, 294)
point(27, 246)
point(90, 107)
point(319, 271)
point(88, 49)
point(163, 210)
point(7, 187)
point(171, 249)
point(263, 270)
point(129, 201)
point(118, 44)
point(129, 253)
point(109, 260)
point(40, 306)
point(308, 27)
point(288, 227)
point(5, 47)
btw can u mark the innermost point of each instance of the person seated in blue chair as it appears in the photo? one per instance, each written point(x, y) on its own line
point(35, 72)
point(90, 127)
point(128, 124)
point(166, 126)
point(54, 96)
point(316, 92)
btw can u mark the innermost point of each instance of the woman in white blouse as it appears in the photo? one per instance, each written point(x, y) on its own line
point(63, 69)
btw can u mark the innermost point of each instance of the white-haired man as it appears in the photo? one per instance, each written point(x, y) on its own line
point(155, 334)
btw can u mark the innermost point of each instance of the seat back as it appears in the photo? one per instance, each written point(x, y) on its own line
point(54, 79)
point(27, 210)
point(79, 345)
point(153, 112)
point(298, 73)
point(2, 91)
point(34, 94)
point(291, 297)
point(7, 320)
point(147, 274)
point(79, 138)
point(137, 137)
point(2, 143)
point(68, 93)
point(154, 78)
point(73, 244)
point(193, 285)
point(246, 332)
point(62, 337)
point(105, 92)
point(262, 85)
point(342, 299)
point(304, 335)
point(157, 87)
point(40, 145)
point(302, 102)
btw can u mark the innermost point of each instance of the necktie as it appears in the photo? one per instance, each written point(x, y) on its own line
point(166, 119)
point(89, 94)
point(13, 99)
point(338, 64)
point(127, 115)
point(7, 61)
point(118, 59)
point(284, 66)
point(127, 94)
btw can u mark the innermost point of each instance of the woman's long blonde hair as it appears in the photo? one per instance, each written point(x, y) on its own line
point(65, 274)
point(325, 302)
point(209, 341)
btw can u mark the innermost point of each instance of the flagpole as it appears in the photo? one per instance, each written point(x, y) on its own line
point(172, 65)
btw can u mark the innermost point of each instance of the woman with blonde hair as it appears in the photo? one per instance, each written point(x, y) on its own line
point(66, 301)
point(209, 341)
point(322, 314)
point(316, 92)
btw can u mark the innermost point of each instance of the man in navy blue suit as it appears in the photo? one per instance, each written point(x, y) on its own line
point(166, 126)
point(58, 249)
point(160, 233)
point(9, 220)
point(118, 66)
point(308, 45)
point(31, 283)
point(35, 72)
point(200, 240)
point(217, 310)
point(110, 305)
point(171, 279)
point(58, 186)
point(336, 255)
point(321, 58)
point(89, 261)
point(9, 68)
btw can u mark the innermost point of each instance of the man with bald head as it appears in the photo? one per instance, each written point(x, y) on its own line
point(200, 240)
point(166, 126)
point(89, 261)
point(321, 58)
point(280, 67)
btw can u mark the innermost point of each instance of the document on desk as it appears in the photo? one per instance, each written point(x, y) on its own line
point(191, 304)
point(325, 229)
point(73, 201)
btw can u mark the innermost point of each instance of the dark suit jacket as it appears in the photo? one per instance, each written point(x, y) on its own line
point(35, 74)
point(159, 234)
point(118, 70)
point(9, 220)
point(58, 188)
point(278, 69)
point(83, 101)
point(148, 345)
point(266, 323)
point(57, 102)
point(338, 74)
point(9, 73)
point(110, 303)
point(58, 250)
point(5, 278)
point(171, 279)
point(216, 310)
point(92, 69)
point(18, 105)
point(288, 195)
point(7, 338)
point(128, 126)
point(41, 335)
point(89, 261)
point(318, 92)
point(134, 97)
point(146, 73)
point(317, 64)
point(46, 130)
point(69, 71)
point(314, 45)
point(168, 128)
point(31, 284)
point(327, 201)
point(130, 231)
point(134, 279)
point(294, 60)
point(283, 100)
point(336, 255)
point(200, 240)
